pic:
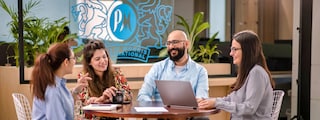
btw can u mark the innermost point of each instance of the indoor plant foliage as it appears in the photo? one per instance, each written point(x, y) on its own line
point(192, 31)
point(204, 53)
point(39, 33)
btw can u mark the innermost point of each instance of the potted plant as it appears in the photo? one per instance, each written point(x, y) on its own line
point(207, 52)
point(203, 53)
point(39, 33)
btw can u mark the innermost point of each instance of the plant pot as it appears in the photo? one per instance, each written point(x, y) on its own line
point(7, 64)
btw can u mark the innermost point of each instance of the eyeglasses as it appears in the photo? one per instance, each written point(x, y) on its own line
point(174, 42)
point(75, 57)
point(233, 49)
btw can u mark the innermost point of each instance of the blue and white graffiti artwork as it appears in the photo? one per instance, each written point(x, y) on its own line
point(129, 28)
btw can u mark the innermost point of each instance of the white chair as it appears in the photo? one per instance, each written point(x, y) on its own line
point(277, 102)
point(22, 106)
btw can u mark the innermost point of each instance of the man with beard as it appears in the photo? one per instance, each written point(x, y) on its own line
point(178, 66)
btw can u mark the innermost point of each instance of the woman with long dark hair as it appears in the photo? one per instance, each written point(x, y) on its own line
point(104, 81)
point(252, 93)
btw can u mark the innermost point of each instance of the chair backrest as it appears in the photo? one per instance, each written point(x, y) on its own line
point(22, 106)
point(277, 102)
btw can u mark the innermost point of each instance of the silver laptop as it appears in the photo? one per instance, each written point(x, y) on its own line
point(177, 93)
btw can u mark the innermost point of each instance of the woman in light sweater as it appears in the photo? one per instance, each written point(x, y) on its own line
point(252, 93)
point(51, 98)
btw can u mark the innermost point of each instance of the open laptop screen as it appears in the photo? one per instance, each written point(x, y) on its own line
point(176, 93)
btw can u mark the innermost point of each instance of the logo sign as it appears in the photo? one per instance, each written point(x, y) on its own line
point(130, 29)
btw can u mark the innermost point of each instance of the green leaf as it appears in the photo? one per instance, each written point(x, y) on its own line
point(197, 19)
point(184, 23)
point(78, 49)
point(201, 28)
point(163, 52)
point(39, 33)
point(213, 37)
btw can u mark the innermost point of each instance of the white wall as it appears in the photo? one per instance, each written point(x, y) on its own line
point(315, 63)
point(295, 55)
point(315, 60)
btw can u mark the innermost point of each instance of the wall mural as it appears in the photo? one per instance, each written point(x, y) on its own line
point(130, 29)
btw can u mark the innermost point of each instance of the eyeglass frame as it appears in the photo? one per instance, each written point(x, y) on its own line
point(234, 49)
point(75, 58)
point(174, 42)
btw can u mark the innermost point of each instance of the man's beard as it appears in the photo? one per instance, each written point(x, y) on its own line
point(180, 54)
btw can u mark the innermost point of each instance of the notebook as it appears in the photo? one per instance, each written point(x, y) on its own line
point(101, 107)
point(177, 93)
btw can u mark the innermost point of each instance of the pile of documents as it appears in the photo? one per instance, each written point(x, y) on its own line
point(101, 107)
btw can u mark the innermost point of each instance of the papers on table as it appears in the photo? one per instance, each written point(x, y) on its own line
point(101, 107)
point(114, 107)
point(150, 109)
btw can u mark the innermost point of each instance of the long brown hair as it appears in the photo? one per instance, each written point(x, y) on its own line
point(97, 86)
point(252, 54)
point(44, 67)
